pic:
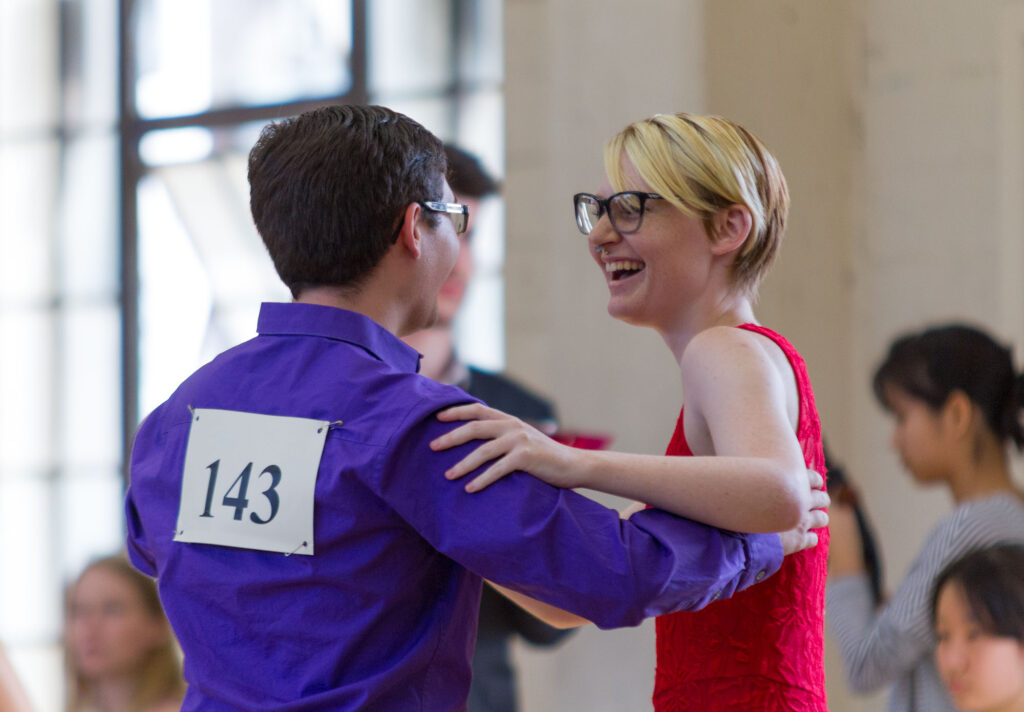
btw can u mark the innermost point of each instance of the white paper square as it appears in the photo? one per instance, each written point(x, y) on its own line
point(272, 515)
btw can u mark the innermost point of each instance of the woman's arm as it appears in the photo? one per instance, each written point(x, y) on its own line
point(755, 482)
point(546, 612)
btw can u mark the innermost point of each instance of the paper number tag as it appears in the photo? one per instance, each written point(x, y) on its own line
point(249, 481)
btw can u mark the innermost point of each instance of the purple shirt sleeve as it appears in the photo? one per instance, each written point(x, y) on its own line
point(565, 549)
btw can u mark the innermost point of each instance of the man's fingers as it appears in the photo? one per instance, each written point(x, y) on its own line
point(820, 499)
point(818, 519)
point(815, 480)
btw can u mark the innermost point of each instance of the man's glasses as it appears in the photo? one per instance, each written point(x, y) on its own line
point(458, 213)
point(625, 210)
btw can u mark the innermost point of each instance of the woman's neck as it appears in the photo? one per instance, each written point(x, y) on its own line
point(115, 694)
point(984, 474)
point(732, 309)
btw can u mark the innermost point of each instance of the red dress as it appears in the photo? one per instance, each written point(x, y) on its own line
point(762, 649)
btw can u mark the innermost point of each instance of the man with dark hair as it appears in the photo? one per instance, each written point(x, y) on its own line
point(310, 553)
point(493, 688)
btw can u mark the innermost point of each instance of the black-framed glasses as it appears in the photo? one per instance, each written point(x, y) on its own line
point(625, 210)
point(458, 213)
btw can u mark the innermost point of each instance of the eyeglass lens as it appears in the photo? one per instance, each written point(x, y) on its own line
point(625, 212)
point(459, 221)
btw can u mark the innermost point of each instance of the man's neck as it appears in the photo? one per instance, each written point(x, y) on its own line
point(389, 313)
point(438, 348)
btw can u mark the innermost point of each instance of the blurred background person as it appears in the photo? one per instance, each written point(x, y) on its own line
point(956, 399)
point(121, 654)
point(978, 613)
point(494, 681)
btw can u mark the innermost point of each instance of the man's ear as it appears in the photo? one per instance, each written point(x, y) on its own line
point(732, 226)
point(409, 236)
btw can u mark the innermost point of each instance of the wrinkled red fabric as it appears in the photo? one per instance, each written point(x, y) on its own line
point(762, 649)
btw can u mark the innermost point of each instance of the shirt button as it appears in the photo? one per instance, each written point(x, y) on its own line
point(760, 575)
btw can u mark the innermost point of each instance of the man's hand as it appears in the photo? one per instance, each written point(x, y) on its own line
point(802, 536)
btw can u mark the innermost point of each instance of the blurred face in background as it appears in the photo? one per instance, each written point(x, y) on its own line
point(449, 299)
point(109, 632)
point(918, 437)
point(983, 672)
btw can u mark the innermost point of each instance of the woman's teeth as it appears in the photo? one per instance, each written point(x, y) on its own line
point(623, 268)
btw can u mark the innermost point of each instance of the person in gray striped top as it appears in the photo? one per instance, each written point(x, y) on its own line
point(956, 399)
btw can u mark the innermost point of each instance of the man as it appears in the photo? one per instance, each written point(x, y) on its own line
point(493, 688)
point(310, 553)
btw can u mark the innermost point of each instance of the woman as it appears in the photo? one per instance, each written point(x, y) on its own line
point(121, 654)
point(978, 613)
point(956, 400)
point(684, 228)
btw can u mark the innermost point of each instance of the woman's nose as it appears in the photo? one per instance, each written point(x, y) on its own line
point(602, 235)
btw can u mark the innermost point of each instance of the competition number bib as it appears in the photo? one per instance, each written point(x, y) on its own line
point(249, 481)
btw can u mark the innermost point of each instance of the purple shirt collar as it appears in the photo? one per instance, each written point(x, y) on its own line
point(296, 319)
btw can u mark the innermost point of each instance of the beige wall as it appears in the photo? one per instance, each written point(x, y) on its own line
point(900, 133)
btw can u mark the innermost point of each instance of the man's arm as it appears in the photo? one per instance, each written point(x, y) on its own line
point(562, 548)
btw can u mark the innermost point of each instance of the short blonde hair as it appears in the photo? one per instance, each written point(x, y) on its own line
point(702, 165)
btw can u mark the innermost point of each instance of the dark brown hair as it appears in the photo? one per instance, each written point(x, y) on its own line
point(467, 176)
point(930, 365)
point(328, 189)
point(992, 580)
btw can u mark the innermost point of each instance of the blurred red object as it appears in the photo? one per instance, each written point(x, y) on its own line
point(583, 440)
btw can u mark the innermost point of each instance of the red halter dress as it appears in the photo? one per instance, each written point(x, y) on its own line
point(762, 649)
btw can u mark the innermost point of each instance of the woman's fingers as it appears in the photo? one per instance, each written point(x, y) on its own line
point(470, 411)
point(480, 456)
point(473, 430)
point(489, 476)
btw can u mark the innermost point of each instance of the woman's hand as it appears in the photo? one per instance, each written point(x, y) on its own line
point(511, 444)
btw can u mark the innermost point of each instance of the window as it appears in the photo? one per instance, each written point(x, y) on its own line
point(129, 256)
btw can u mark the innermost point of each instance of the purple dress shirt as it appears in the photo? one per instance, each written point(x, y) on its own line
point(383, 616)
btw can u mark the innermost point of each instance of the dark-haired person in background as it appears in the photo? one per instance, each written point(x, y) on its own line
point(310, 553)
point(956, 399)
point(978, 613)
point(493, 688)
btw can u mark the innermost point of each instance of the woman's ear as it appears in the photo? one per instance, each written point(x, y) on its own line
point(958, 414)
point(732, 227)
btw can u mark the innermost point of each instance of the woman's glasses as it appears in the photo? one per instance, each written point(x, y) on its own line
point(625, 210)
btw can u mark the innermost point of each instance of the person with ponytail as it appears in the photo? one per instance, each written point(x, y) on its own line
point(956, 399)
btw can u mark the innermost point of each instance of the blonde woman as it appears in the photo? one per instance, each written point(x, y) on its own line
point(120, 651)
point(683, 229)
